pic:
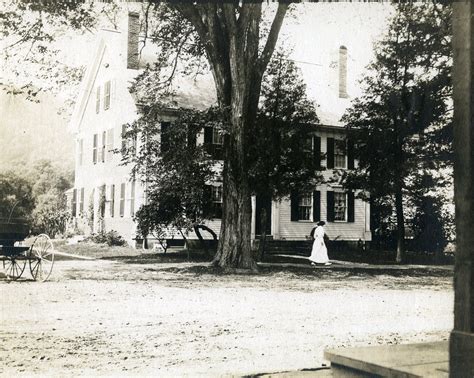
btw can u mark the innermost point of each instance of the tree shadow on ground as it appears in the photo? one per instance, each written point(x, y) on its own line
point(162, 258)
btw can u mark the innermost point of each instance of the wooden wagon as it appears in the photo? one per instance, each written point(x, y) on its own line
point(15, 254)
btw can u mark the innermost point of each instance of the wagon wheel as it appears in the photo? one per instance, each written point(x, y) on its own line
point(41, 257)
point(14, 268)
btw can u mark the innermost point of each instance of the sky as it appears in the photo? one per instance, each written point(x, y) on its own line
point(313, 31)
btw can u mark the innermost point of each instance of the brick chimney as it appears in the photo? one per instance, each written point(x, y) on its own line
point(132, 40)
point(343, 72)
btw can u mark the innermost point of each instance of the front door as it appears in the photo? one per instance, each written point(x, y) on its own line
point(263, 202)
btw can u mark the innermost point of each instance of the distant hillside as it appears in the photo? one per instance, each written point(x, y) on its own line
point(32, 131)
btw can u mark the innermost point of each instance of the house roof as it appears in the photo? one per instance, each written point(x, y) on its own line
point(318, 62)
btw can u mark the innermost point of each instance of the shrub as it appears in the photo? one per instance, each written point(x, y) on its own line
point(111, 238)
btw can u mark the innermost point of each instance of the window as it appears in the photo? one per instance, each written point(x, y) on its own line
point(110, 144)
point(122, 199)
point(112, 200)
point(217, 137)
point(81, 202)
point(81, 151)
point(97, 100)
point(340, 154)
point(102, 200)
point(216, 201)
point(124, 139)
point(102, 147)
point(94, 149)
point(107, 95)
point(340, 206)
point(305, 207)
point(213, 142)
point(132, 198)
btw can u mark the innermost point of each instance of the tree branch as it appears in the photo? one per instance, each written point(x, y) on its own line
point(272, 37)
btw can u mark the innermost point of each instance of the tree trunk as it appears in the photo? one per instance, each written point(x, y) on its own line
point(234, 250)
point(400, 221)
point(232, 48)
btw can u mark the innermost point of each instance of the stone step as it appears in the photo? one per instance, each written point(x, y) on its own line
point(403, 360)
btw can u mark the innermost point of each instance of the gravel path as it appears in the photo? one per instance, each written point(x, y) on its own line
point(115, 318)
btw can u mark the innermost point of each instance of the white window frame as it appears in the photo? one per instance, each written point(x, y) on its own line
point(310, 206)
point(340, 152)
point(110, 144)
point(216, 194)
point(123, 193)
point(217, 137)
point(344, 194)
point(111, 200)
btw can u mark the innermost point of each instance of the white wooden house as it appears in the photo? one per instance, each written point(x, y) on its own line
point(105, 104)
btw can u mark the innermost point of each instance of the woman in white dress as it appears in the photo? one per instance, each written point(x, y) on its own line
point(319, 253)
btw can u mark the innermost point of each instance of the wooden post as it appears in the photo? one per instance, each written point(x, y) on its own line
point(462, 337)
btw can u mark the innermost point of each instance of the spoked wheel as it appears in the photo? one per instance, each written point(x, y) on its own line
point(41, 258)
point(14, 268)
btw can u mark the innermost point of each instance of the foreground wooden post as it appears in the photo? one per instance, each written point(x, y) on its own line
point(462, 337)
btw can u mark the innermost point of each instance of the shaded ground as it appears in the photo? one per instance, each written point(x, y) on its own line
point(134, 316)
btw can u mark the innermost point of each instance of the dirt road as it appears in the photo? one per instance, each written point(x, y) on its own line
point(113, 318)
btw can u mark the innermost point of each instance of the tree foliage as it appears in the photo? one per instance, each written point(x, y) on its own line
point(16, 197)
point(35, 193)
point(177, 170)
point(402, 123)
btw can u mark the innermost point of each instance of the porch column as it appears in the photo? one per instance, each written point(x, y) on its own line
point(276, 220)
point(254, 217)
point(461, 347)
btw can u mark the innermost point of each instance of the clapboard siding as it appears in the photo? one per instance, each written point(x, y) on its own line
point(341, 230)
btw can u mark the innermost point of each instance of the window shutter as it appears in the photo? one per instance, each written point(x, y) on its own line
point(317, 152)
point(132, 198)
point(208, 135)
point(192, 140)
point(294, 202)
point(316, 206)
point(350, 207)
point(74, 202)
point(122, 199)
point(107, 95)
point(94, 149)
point(112, 200)
point(81, 203)
point(165, 139)
point(350, 154)
point(97, 100)
point(330, 153)
point(330, 206)
point(124, 139)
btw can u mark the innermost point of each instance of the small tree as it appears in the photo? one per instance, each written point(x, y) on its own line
point(16, 197)
point(406, 101)
point(50, 214)
point(174, 169)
